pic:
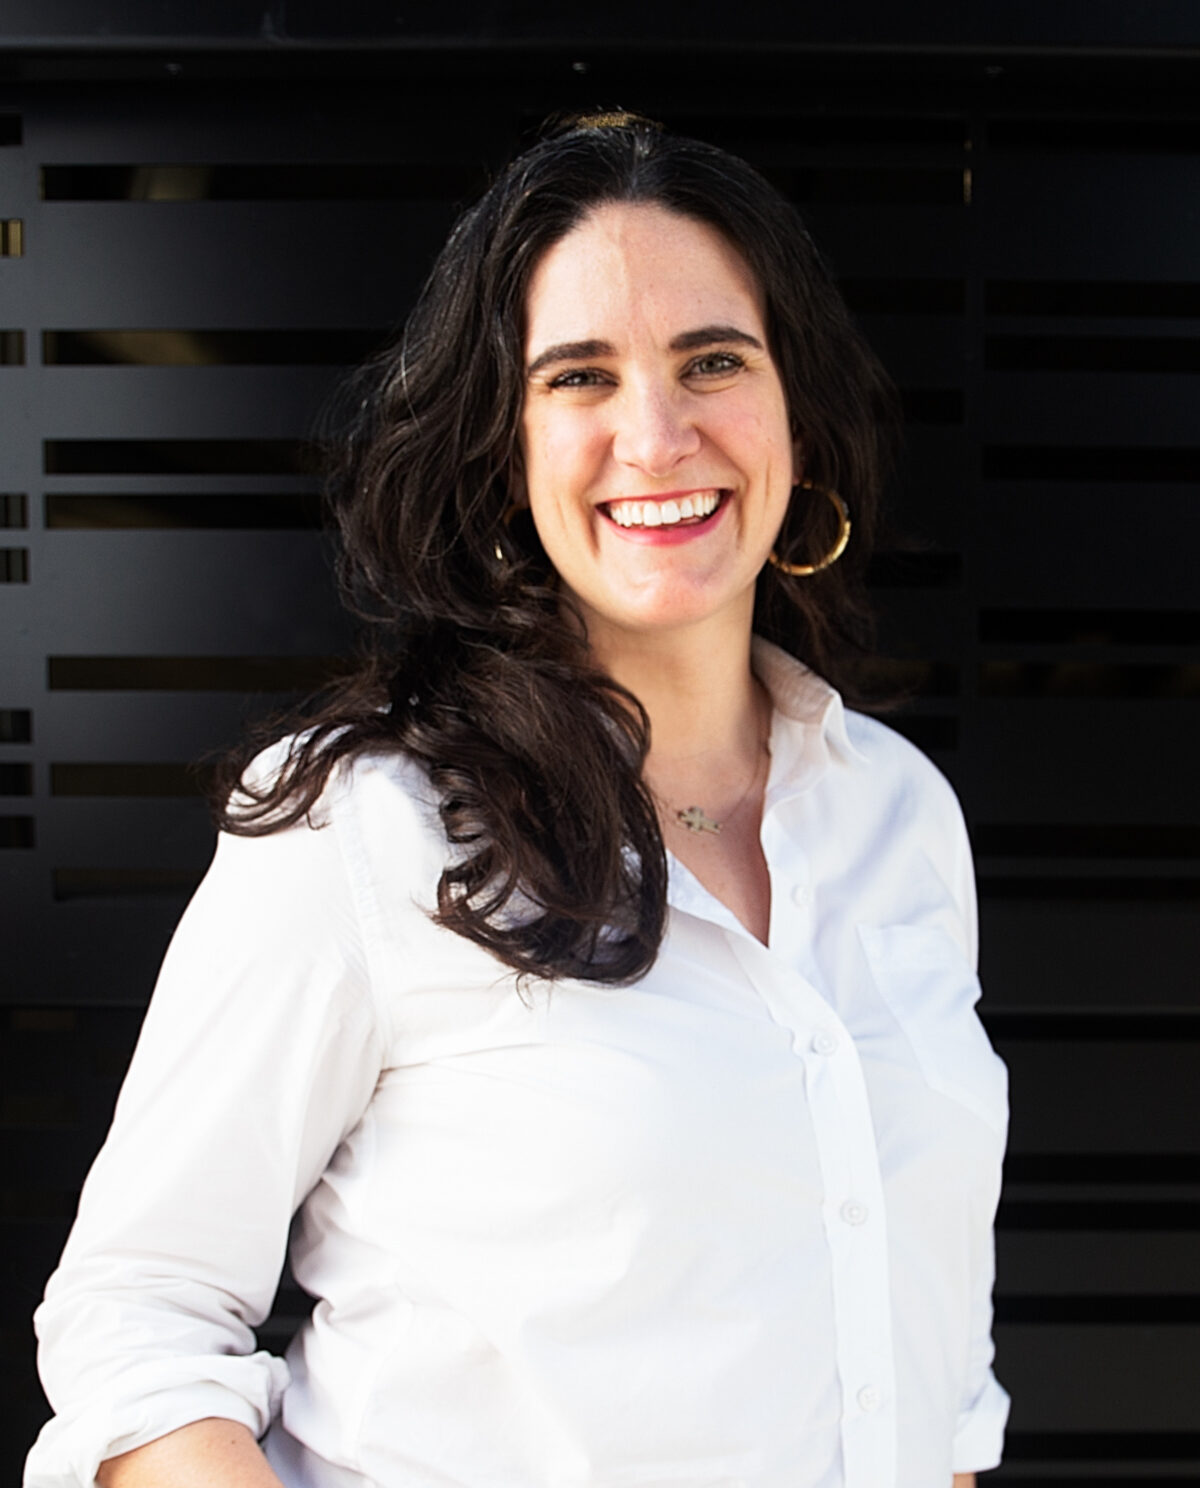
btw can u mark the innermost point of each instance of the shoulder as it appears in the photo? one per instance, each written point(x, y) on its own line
point(919, 814)
point(375, 821)
point(391, 780)
point(900, 767)
point(317, 903)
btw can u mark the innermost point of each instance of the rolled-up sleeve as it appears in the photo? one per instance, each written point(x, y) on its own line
point(260, 1051)
point(979, 1432)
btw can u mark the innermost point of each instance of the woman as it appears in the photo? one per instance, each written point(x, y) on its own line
point(594, 990)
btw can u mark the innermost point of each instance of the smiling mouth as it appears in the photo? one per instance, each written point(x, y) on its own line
point(682, 511)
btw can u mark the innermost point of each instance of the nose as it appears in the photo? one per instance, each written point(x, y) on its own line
point(654, 429)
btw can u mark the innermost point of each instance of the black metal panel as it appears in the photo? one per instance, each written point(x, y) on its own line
point(373, 23)
point(1022, 244)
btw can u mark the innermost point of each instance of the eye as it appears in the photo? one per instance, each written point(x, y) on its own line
point(577, 377)
point(715, 364)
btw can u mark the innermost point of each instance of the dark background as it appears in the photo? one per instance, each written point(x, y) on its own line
point(206, 212)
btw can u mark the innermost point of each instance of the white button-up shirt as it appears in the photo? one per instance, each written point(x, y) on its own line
point(728, 1226)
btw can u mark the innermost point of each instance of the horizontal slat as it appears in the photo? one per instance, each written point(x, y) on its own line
point(1137, 681)
point(277, 181)
point(125, 779)
point(16, 778)
point(1108, 137)
point(16, 725)
point(191, 673)
point(1013, 353)
point(123, 883)
point(1115, 627)
point(1100, 1311)
point(1141, 1025)
point(1071, 197)
point(1098, 298)
point(18, 833)
point(1092, 462)
point(1039, 543)
point(178, 457)
point(1134, 1382)
point(1064, 839)
point(1104, 1447)
point(211, 593)
point(869, 136)
point(1099, 1216)
point(1081, 759)
point(1103, 1097)
point(267, 346)
point(1050, 953)
point(14, 509)
point(1122, 890)
point(1140, 417)
point(131, 263)
point(217, 510)
point(111, 832)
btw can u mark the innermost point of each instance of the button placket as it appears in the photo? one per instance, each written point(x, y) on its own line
point(853, 1213)
point(857, 1231)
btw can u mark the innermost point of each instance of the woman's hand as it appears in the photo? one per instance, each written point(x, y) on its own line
point(196, 1456)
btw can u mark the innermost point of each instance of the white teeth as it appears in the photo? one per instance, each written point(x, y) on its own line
point(663, 513)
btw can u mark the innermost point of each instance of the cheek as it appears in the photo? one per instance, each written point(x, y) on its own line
point(551, 458)
point(536, 462)
point(562, 456)
point(760, 443)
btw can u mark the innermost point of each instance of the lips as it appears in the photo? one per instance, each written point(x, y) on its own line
point(674, 511)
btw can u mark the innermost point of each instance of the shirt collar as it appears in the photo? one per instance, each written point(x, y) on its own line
point(809, 723)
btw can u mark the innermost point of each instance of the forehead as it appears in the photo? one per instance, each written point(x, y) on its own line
point(639, 265)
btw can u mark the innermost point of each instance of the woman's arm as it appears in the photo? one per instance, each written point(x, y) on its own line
point(261, 1048)
point(961, 1480)
point(196, 1456)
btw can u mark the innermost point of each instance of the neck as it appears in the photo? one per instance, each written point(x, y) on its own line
point(707, 712)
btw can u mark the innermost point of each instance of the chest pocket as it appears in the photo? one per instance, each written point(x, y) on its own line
point(931, 991)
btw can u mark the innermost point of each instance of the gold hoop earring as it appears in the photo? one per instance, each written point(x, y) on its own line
point(802, 570)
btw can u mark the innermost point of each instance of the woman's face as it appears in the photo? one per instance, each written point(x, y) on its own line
point(655, 434)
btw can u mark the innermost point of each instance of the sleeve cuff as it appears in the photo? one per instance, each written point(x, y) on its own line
point(148, 1402)
point(979, 1438)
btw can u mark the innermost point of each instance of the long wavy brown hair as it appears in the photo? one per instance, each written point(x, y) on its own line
point(472, 663)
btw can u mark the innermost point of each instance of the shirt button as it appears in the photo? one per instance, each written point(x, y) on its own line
point(869, 1398)
point(800, 894)
point(824, 1042)
point(854, 1213)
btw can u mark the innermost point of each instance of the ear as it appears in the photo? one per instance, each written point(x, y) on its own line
point(797, 461)
point(518, 492)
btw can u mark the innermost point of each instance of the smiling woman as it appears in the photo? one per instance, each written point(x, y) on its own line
point(582, 997)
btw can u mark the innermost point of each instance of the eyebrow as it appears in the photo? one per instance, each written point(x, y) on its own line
point(570, 351)
point(709, 335)
point(714, 335)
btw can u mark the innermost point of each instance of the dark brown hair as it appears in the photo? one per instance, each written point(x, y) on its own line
point(471, 665)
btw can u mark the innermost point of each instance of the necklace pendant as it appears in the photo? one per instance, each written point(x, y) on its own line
point(695, 820)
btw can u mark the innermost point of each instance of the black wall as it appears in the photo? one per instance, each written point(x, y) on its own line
point(199, 226)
